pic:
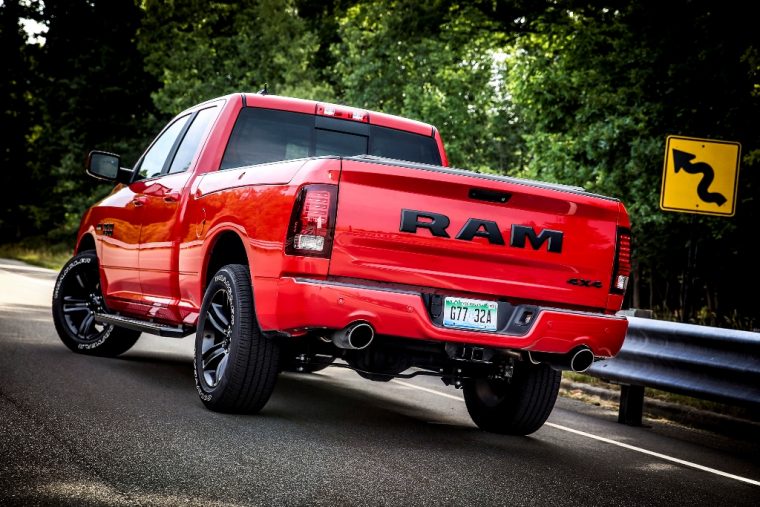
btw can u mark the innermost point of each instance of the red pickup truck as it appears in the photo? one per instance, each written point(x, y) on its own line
point(287, 234)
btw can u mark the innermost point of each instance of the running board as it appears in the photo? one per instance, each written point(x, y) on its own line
point(144, 326)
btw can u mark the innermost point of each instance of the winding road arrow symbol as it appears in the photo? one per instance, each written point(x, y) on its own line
point(682, 160)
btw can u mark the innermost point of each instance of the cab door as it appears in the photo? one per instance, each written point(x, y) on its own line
point(122, 215)
point(165, 197)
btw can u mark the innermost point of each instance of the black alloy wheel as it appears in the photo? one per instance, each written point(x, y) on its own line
point(77, 298)
point(217, 330)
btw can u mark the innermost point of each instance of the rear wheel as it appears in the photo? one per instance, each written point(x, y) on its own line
point(518, 406)
point(76, 299)
point(236, 365)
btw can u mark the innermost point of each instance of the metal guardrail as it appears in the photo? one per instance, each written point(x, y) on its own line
point(710, 363)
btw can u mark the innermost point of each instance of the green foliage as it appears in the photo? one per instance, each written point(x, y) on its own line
point(16, 117)
point(597, 89)
point(200, 50)
point(581, 109)
point(90, 92)
point(39, 252)
point(435, 62)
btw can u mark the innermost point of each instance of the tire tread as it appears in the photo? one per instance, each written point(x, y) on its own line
point(527, 402)
point(253, 369)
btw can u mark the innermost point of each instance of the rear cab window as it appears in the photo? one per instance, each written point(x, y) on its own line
point(263, 136)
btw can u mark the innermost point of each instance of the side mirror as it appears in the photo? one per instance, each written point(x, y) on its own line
point(107, 166)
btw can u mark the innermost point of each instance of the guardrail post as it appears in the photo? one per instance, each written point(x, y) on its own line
point(631, 405)
point(631, 408)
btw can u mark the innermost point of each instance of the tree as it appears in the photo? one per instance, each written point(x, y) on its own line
point(597, 89)
point(200, 50)
point(91, 93)
point(16, 120)
point(435, 61)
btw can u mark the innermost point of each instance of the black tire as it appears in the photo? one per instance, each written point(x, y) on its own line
point(519, 406)
point(76, 298)
point(235, 364)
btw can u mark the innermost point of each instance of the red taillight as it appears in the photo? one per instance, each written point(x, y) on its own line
point(312, 223)
point(622, 269)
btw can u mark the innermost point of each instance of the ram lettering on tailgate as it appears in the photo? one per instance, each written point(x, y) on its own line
point(437, 224)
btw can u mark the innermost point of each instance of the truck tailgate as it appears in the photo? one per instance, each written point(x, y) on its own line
point(548, 244)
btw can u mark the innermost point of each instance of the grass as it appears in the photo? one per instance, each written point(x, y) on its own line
point(38, 254)
point(656, 394)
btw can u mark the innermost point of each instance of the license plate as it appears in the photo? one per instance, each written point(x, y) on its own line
point(470, 314)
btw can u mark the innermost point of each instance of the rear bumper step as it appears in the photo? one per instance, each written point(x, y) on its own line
point(144, 325)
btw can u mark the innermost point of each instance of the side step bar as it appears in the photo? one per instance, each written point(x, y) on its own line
point(144, 325)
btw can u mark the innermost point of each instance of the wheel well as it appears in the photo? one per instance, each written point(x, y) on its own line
point(86, 243)
point(228, 249)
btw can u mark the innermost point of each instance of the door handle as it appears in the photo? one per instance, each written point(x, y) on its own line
point(171, 197)
point(139, 200)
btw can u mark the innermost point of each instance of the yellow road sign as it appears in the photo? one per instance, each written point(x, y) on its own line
point(700, 176)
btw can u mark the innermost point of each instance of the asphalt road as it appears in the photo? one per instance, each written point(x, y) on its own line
point(77, 430)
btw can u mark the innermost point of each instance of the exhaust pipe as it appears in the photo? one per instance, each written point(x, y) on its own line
point(581, 360)
point(355, 336)
point(578, 360)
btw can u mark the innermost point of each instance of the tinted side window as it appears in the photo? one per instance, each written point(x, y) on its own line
point(265, 135)
point(192, 140)
point(155, 158)
point(402, 145)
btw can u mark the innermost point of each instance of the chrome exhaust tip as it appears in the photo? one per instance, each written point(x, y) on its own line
point(581, 360)
point(578, 360)
point(356, 336)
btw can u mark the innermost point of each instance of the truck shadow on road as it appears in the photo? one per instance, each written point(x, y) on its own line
point(368, 413)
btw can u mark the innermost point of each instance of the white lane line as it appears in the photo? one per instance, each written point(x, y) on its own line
point(608, 441)
point(432, 391)
point(656, 454)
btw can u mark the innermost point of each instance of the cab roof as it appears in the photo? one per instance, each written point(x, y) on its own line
point(337, 111)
